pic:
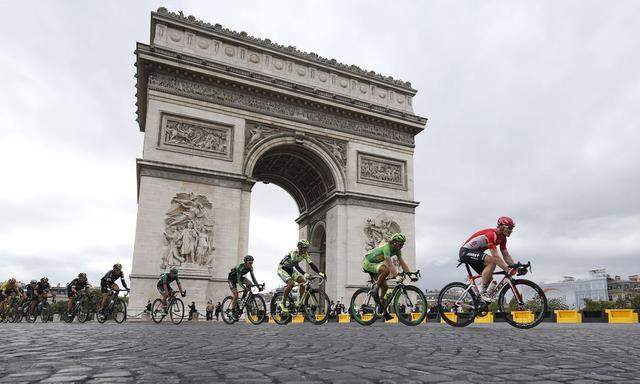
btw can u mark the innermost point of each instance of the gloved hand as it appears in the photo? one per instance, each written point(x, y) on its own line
point(322, 275)
point(306, 276)
point(399, 278)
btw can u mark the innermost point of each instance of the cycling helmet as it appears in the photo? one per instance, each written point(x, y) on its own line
point(174, 270)
point(34, 282)
point(304, 243)
point(82, 275)
point(505, 220)
point(11, 281)
point(248, 258)
point(44, 280)
point(398, 238)
point(117, 266)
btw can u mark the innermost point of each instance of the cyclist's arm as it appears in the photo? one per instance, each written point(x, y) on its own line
point(314, 267)
point(179, 285)
point(253, 278)
point(506, 256)
point(124, 284)
point(499, 261)
point(393, 272)
point(403, 264)
point(297, 267)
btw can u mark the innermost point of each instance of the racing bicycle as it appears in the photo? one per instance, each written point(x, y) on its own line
point(252, 302)
point(116, 309)
point(522, 301)
point(80, 308)
point(314, 304)
point(175, 308)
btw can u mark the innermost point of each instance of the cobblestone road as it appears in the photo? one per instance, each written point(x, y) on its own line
point(344, 353)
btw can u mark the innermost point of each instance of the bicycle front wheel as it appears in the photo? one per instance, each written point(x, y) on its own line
point(279, 316)
point(83, 312)
point(119, 311)
point(407, 298)
point(363, 307)
point(316, 306)
point(523, 303)
point(256, 309)
point(45, 312)
point(457, 304)
point(176, 311)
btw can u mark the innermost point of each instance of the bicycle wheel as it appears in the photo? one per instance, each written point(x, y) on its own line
point(277, 314)
point(523, 303)
point(176, 311)
point(227, 311)
point(45, 312)
point(406, 299)
point(13, 314)
point(156, 311)
point(316, 306)
point(256, 309)
point(66, 317)
point(363, 307)
point(83, 312)
point(457, 304)
point(119, 311)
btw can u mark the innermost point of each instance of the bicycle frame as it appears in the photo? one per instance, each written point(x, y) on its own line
point(471, 284)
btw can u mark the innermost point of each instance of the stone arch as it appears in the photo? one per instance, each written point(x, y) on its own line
point(318, 239)
point(297, 164)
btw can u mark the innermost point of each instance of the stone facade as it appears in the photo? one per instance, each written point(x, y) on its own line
point(221, 110)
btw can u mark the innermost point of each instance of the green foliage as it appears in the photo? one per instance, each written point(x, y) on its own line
point(629, 301)
point(557, 303)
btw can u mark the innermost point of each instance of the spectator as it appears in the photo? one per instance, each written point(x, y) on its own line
point(192, 310)
point(416, 309)
point(209, 310)
point(339, 308)
point(332, 309)
point(218, 310)
point(148, 306)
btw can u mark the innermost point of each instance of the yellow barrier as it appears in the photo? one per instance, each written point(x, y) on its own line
point(271, 320)
point(486, 319)
point(297, 319)
point(366, 317)
point(247, 320)
point(522, 316)
point(321, 317)
point(622, 316)
point(451, 316)
point(568, 316)
point(344, 318)
point(392, 320)
point(416, 316)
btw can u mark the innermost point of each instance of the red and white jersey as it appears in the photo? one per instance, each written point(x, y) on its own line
point(485, 239)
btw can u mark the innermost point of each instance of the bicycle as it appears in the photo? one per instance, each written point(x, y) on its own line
point(314, 304)
point(175, 308)
point(11, 310)
point(116, 309)
point(366, 311)
point(522, 301)
point(253, 302)
point(80, 309)
point(42, 309)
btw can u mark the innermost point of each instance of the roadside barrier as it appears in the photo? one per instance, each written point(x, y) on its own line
point(393, 319)
point(568, 316)
point(416, 316)
point(344, 318)
point(451, 316)
point(297, 319)
point(622, 316)
point(522, 316)
point(486, 319)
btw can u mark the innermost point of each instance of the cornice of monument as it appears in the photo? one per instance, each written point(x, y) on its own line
point(201, 80)
point(218, 29)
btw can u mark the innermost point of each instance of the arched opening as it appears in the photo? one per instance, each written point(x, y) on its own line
point(318, 247)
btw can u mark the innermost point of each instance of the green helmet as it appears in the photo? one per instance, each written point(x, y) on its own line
point(398, 238)
point(304, 243)
point(174, 270)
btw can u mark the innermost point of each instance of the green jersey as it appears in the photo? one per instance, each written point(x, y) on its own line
point(382, 253)
point(242, 270)
point(165, 278)
point(293, 258)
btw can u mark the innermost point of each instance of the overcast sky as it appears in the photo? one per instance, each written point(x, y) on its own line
point(533, 107)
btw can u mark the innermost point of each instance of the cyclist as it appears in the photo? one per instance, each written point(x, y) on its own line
point(10, 289)
point(164, 286)
point(472, 252)
point(40, 291)
point(378, 263)
point(236, 278)
point(75, 285)
point(108, 282)
point(289, 276)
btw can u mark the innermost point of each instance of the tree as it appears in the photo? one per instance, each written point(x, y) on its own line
point(557, 303)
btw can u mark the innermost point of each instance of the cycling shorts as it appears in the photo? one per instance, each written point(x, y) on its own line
point(371, 267)
point(286, 274)
point(232, 280)
point(474, 258)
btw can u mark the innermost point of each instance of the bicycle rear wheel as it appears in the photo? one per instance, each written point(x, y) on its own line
point(363, 307)
point(406, 299)
point(45, 312)
point(176, 311)
point(156, 311)
point(227, 311)
point(14, 313)
point(83, 312)
point(316, 306)
point(523, 303)
point(277, 314)
point(457, 304)
point(256, 309)
point(119, 311)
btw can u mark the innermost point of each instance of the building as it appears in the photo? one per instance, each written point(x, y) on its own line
point(574, 291)
point(619, 288)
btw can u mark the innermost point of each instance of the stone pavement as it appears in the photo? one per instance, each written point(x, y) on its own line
point(338, 353)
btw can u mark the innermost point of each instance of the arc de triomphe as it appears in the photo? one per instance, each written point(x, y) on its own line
point(222, 110)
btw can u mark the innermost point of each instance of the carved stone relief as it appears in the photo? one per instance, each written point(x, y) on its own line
point(379, 229)
point(337, 149)
point(188, 232)
point(268, 104)
point(256, 133)
point(381, 171)
point(194, 136)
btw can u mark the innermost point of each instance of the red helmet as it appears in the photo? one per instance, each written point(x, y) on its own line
point(505, 220)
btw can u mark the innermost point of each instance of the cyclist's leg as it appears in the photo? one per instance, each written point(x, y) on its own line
point(233, 286)
point(104, 289)
point(70, 297)
point(289, 281)
point(300, 280)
